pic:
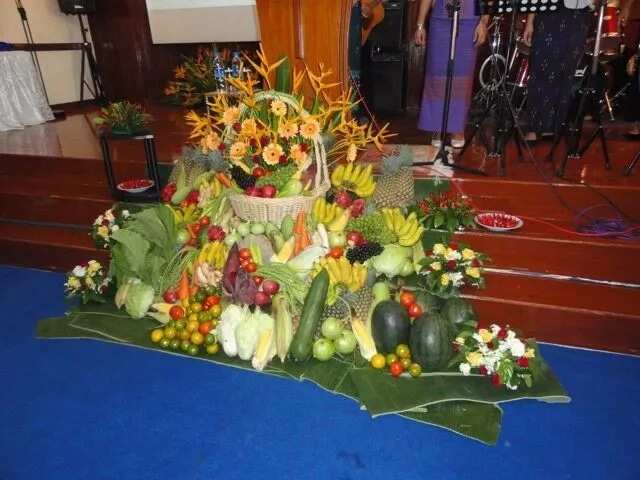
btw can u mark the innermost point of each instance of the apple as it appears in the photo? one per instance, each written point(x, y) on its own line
point(170, 296)
point(344, 199)
point(323, 349)
point(262, 299)
point(216, 233)
point(337, 239)
point(355, 238)
point(331, 328)
point(346, 342)
point(269, 191)
point(357, 208)
point(252, 191)
point(270, 287)
point(259, 172)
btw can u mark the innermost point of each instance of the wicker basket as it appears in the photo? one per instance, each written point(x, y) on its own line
point(258, 209)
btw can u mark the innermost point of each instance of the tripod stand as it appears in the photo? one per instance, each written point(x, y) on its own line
point(572, 131)
point(453, 6)
point(500, 111)
point(29, 37)
point(87, 57)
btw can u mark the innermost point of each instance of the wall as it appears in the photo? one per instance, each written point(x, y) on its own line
point(61, 70)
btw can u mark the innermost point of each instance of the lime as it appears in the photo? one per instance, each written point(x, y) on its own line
point(415, 370)
point(392, 357)
point(197, 338)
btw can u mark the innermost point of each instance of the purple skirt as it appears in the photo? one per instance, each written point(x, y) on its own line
point(436, 75)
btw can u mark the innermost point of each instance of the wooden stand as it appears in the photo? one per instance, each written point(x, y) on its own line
point(148, 139)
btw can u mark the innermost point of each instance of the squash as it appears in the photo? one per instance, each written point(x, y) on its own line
point(390, 325)
point(430, 342)
point(458, 312)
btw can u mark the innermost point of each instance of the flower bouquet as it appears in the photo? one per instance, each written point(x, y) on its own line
point(450, 267)
point(107, 223)
point(498, 353)
point(192, 79)
point(276, 145)
point(123, 118)
point(88, 281)
point(446, 210)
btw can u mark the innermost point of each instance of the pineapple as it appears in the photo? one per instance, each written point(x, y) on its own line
point(192, 162)
point(338, 309)
point(395, 185)
point(361, 303)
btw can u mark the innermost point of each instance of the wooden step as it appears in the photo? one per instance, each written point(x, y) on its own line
point(540, 248)
point(50, 248)
point(560, 311)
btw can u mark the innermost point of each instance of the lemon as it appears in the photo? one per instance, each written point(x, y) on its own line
point(378, 361)
point(197, 338)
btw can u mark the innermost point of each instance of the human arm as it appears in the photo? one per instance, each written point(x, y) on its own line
point(420, 36)
point(482, 30)
point(527, 35)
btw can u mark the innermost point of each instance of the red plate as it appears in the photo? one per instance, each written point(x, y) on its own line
point(136, 185)
point(498, 221)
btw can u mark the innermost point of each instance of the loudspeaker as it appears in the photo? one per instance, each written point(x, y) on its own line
point(70, 7)
point(386, 81)
point(388, 34)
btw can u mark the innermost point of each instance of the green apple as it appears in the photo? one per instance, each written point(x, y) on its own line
point(337, 239)
point(346, 342)
point(323, 349)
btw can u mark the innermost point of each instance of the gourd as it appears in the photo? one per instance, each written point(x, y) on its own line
point(430, 342)
point(302, 343)
point(390, 326)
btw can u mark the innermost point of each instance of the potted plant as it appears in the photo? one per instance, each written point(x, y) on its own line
point(124, 118)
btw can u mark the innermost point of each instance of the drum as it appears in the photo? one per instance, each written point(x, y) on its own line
point(519, 65)
point(611, 39)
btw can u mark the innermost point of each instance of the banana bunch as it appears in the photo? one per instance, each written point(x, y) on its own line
point(186, 215)
point(325, 212)
point(214, 253)
point(342, 272)
point(356, 178)
point(208, 190)
point(407, 229)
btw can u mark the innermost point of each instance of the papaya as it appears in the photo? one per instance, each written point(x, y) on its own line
point(390, 324)
point(430, 342)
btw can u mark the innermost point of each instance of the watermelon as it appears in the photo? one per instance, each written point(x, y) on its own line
point(430, 342)
point(458, 312)
point(390, 325)
point(428, 302)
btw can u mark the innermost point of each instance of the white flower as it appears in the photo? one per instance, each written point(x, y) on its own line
point(517, 348)
point(452, 254)
point(456, 278)
point(115, 228)
point(465, 368)
point(511, 335)
point(109, 215)
point(125, 213)
point(495, 329)
point(98, 221)
point(79, 271)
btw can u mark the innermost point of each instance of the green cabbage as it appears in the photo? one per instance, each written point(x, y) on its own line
point(139, 299)
point(392, 260)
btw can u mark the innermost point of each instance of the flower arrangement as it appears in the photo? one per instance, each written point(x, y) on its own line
point(88, 281)
point(105, 224)
point(192, 79)
point(446, 210)
point(269, 137)
point(123, 118)
point(496, 352)
point(447, 268)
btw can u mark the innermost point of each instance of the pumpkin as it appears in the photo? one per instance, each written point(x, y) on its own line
point(390, 325)
point(430, 342)
point(459, 312)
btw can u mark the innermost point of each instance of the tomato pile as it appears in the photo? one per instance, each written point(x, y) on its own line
point(136, 183)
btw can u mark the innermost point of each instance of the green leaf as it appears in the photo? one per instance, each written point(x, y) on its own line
point(452, 224)
point(130, 250)
point(439, 219)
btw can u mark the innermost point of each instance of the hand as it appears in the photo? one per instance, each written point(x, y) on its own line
point(480, 34)
point(420, 37)
point(632, 64)
point(527, 35)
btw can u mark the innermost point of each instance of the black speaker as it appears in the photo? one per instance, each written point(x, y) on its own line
point(77, 6)
point(386, 81)
point(388, 34)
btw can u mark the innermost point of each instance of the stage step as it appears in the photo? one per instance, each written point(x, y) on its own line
point(561, 311)
point(46, 247)
point(540, 248)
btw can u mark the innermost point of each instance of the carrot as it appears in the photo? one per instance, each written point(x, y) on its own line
point(183, 286)
point(224, 180)
point(193, 290)
point(300, 226)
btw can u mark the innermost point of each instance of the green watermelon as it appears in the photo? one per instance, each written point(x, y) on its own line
point(430, 342)
point(459, 313)
point(428, 303)
point(390, 326)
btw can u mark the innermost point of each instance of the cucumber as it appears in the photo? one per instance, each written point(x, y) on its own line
point(302, 343)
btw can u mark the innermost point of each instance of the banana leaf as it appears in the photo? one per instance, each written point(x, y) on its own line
point(465, 405)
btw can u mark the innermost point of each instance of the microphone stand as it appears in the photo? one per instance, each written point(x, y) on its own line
point(453, 6)
point(29, 36)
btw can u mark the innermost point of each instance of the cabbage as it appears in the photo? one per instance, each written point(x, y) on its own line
point(249, 330)
point(392, 260)
point(230, 318)
point(139, 299)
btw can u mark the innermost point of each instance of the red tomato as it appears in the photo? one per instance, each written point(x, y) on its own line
point(212, 300)
point(195, 228)
point(396, 369)
point(257, 279)
point(244, 262)
point(251, 267)
point(259, 172)
point(415, 310)
point(205, 328)
point(170, 296)
point(244, 254)
point(176, 312)
point(204, 221)
point(336, 252)
point(407, 299)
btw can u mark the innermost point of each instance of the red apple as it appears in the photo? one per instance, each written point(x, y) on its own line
point(269, 191)
point(259, 172)
point(344, 199)
point(355, 238)
point(216, 233)
point(357, 208)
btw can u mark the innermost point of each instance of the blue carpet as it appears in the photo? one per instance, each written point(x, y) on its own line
point(89, 410)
